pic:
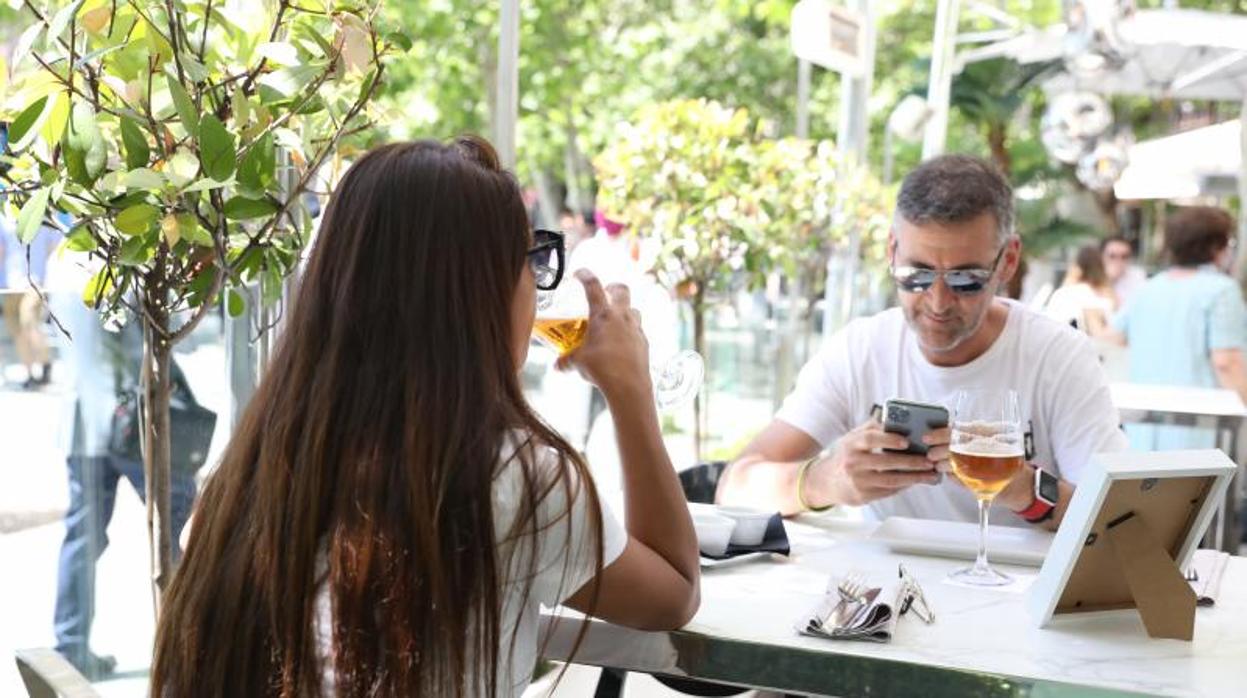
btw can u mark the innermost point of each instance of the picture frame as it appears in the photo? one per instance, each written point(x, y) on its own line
point(1131, 528)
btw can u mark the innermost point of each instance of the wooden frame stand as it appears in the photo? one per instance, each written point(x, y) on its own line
point(1160, 590)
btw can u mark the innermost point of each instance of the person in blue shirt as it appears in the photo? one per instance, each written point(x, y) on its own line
point(1188, 324)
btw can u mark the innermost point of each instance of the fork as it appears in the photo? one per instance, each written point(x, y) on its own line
point(847, 590)
point(851, 590)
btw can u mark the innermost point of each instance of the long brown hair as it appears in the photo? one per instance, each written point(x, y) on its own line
point(374, 440)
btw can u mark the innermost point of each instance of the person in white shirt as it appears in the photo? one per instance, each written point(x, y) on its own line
point(390, 513)
point(1085, 300)
point(1125, 277)
point(951, 249)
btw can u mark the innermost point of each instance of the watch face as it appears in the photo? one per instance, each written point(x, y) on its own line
point(1049, 490)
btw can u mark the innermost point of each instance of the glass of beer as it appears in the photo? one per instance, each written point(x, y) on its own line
point(986, 453)
point(562, 323)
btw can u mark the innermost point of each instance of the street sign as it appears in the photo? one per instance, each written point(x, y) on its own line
point(828, 35)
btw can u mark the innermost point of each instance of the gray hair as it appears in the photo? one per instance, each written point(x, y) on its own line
point(954, 189)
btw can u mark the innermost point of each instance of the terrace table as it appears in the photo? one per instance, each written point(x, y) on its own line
point(983, 642)
point(1221, 410)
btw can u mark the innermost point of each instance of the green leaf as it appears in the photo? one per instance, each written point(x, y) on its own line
point(85, 150)
point(241, 208)
point(235, 305)
point(135, 251)
point(270, 285)
point(58, 117)
point(27, 123)
point(30, 218)
point(137, 219)
point(61, 19)
point(24, 42)
point(187, 112)
point(205, 185)
point(97, 288)
point(189, 229)
point(181, 168)
point(143, 178)
point(259, 166)
point(288, 82)
point(216, 148)
point(399, 39)
point(80, 239)
point(194, 70)
point(98, 53)
point(138, 153)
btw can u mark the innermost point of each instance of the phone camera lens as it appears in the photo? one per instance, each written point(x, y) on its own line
point(898, 414)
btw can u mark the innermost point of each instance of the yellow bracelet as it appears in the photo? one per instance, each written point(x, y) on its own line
point(805, 506)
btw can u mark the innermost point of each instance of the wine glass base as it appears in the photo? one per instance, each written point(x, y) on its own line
point(980, 576)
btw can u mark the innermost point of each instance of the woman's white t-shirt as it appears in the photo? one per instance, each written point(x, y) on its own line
point(565, 562)
point(1070, 303)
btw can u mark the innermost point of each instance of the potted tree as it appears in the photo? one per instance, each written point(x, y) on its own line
point(728, 206)
point(180, 136)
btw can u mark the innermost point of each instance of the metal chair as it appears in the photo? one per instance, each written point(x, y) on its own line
point(47, 674)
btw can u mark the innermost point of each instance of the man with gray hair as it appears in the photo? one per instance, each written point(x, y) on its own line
point(951, 249)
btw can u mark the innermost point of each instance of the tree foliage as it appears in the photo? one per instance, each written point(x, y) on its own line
point(179, 137)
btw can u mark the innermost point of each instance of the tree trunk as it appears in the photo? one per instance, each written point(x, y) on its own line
point(1106, 202)
point(997, 141)
point(701, 403)
point(157, 384)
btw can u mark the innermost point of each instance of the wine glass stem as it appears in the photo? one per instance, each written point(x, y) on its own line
point(980, 563)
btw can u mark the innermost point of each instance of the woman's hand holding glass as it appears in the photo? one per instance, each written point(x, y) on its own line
point(565, 319)
point(613, 354)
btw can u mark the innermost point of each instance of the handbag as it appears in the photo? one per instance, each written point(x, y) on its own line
point(191, 426)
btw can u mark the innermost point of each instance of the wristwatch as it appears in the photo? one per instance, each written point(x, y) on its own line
point(1047, 492)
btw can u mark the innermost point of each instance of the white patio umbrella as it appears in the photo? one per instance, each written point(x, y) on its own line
point(1184, 165)
point(1170, 53)
point(1185, 54)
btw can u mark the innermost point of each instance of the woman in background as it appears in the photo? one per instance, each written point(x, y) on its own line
point(1085, 299)
point(390, 512)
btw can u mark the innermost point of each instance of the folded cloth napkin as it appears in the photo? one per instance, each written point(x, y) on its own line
point(1207, 568)
point(774, 541)
point(872, 619)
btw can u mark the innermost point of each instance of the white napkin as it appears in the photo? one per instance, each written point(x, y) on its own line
point(873, 621)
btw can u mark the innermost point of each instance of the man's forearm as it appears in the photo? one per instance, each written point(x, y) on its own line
point(770, 485)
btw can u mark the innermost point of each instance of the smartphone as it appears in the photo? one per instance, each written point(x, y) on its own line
point(912, 420)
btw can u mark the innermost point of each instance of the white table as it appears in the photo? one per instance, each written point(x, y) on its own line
point(1210, 408)
point(983, 642)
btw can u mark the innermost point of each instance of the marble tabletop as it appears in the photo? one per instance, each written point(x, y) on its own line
point(982, 643)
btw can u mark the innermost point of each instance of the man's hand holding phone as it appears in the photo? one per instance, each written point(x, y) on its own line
point(860, 470)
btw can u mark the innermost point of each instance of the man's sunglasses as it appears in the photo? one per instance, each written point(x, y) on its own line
point(546, 257)
point(965, 282)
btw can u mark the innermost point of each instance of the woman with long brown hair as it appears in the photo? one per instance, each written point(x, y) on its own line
point(390, 511)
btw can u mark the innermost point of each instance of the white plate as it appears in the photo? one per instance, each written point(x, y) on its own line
point(1006, 544)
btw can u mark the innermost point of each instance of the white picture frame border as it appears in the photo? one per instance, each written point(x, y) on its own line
point(1089, 495)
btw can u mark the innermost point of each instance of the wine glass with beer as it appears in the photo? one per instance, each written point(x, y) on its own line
point(563, 321)
point(986, 453)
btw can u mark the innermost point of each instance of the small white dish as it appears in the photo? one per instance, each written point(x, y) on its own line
point(750, 524)
point(714, 532)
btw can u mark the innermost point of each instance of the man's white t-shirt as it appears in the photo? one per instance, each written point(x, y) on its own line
point(1061, 388)
point(565, 562)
